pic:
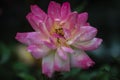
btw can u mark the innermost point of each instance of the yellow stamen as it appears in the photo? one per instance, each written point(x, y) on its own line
point(57, 29)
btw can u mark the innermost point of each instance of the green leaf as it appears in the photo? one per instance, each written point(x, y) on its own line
point(105, 68)
point(20, 67)
point(81, 7)
point(74, 72)
point(5, 53)
point(25, 76)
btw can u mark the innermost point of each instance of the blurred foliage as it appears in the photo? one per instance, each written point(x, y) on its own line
point(5, 53)
point(17, 64)
point(81, 7)
point(13, 69)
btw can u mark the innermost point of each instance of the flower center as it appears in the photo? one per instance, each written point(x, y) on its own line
point(58, 33)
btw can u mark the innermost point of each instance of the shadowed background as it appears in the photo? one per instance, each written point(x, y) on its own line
point(17, 64)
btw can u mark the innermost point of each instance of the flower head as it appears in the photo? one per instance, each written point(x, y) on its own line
point(60, 38)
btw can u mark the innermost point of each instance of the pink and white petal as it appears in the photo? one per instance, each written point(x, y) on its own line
point(32, 22)
point(36, 20)
point(81, 60)
point(41, 25)
point(71, 21)
point(30, 38)
point(62, 54)
point(65, 10)
point(84, 33)
point(67, 33)
point(49, 23)
point(82, 18)
point(38, 51)
point(74, 37)
point(37, 24)
point(87, 33)
point(90, 45)
point(67, 49)
point(50, 45)
point(54, 10)
point(38, 12)
point(43, 28)
point(60, 64)
point(48, 64)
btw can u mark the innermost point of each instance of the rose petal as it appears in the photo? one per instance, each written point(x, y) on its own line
point(62, 54)
point(67, 49)
point(60, 64)
point(71, 22)
point(43, 29)
point(90, 45)
point(48, 64)
point(50, 44)
point(81, 60)
point(87, 33)
point(32, 22)
point(67, 33)
point(38, 12)
point(65, 10)
point(82, 18)
point(84, 33)
point(75, 37)
point(30, 38)
point(49, 23)
point(54, 10)
point(36, 20)
point(41, 26)
point(37, 24)
point(38, 51)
